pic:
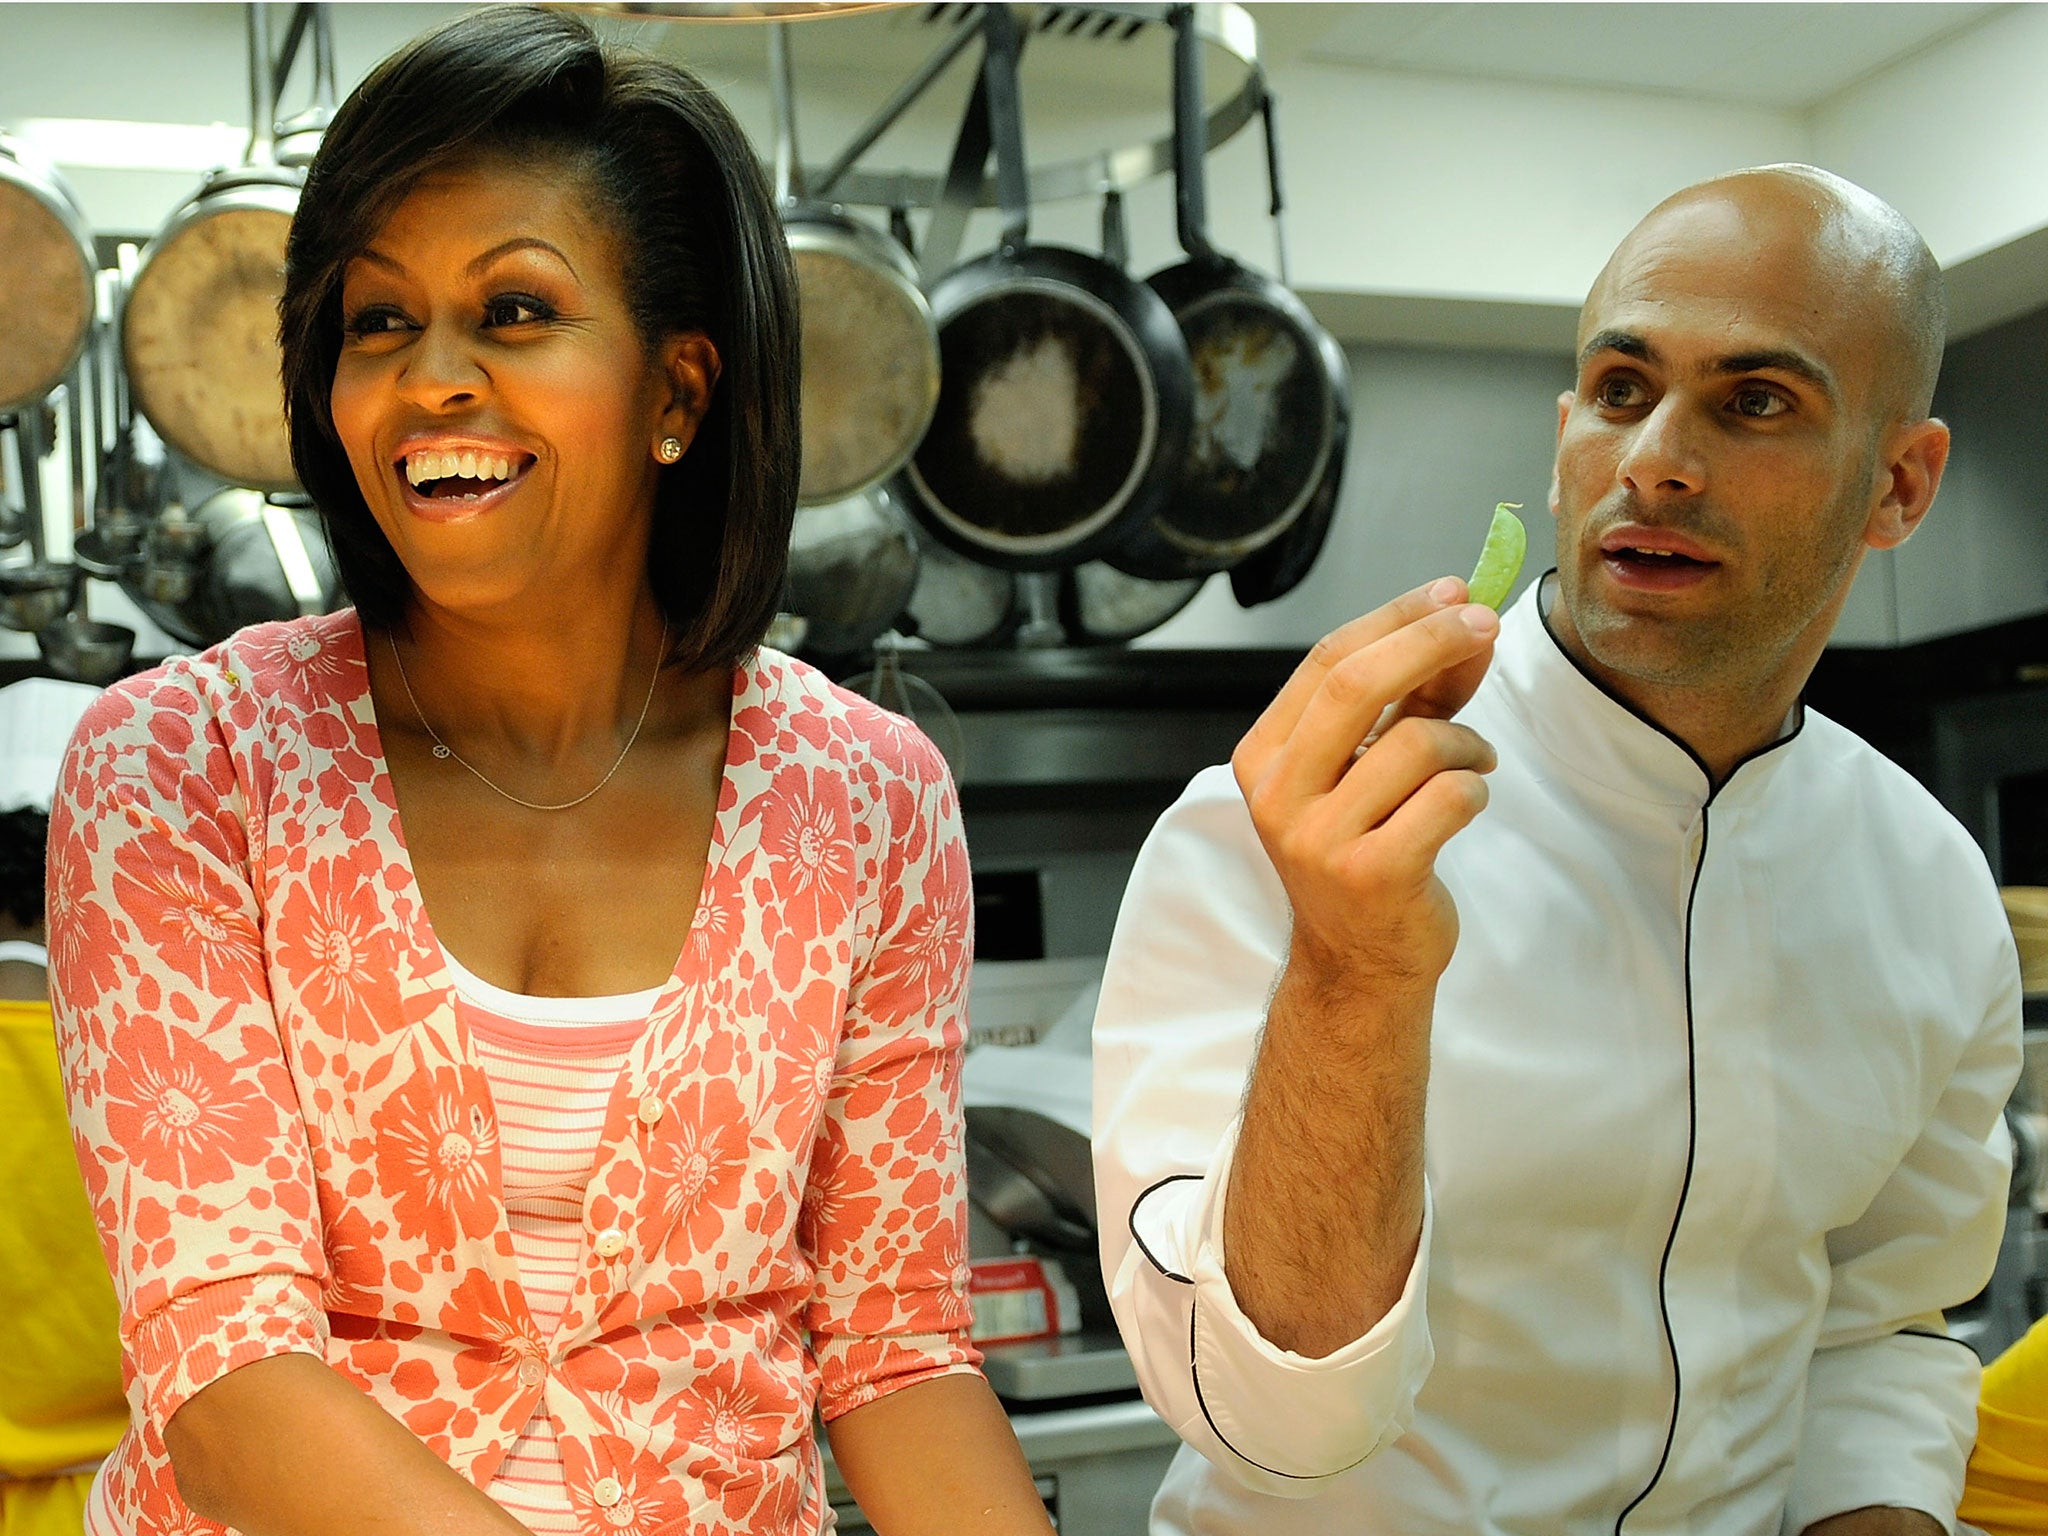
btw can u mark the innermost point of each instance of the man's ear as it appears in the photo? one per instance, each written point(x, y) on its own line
point(690, 365)
point(1564, 414)
point(1915, 456)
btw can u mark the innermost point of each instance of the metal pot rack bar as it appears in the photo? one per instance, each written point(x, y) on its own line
point(1229, 27)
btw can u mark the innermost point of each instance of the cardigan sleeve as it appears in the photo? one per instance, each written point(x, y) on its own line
point(184, 1114)
point(885, 1217)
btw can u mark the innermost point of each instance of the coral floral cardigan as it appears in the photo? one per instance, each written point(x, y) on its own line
point(290, 1146)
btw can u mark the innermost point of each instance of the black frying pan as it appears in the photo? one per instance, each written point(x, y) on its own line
point(1276, 569)
point(1065, 392)
point(1272, 400)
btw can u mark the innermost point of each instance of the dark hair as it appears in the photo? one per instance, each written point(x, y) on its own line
point(24, 850)
point(703, 251)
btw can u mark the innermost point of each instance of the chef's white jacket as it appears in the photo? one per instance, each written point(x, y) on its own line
point(1714, 1135)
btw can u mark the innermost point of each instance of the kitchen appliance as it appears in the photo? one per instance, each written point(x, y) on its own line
point(959, 602)
point(1272, 396)
point(1065, 391)
point(35, 591)
point(239, 558)
point(870, 348)
point(1101, 605)
point(1276, 569)
point(46, 276)
point(853, 565)
point(199, 326)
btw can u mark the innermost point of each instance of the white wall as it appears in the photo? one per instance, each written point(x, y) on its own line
point(1437, 437)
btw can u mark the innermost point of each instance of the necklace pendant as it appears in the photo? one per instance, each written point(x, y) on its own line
point(441, 751)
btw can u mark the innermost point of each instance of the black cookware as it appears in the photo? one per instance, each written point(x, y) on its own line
point(1272, 395)
point(1065, 393)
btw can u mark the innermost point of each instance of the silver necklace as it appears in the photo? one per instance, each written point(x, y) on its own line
point(443, 750)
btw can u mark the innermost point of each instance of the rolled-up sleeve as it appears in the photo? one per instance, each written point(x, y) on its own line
point(1198, 944)
point(184, 1113)
point(885, 1216)
point(1891, 1402)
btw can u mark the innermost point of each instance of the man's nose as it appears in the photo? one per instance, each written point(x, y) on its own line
point(1663, 456)
point(442, 370)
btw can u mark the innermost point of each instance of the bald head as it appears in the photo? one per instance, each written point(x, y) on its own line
point(1879, 269)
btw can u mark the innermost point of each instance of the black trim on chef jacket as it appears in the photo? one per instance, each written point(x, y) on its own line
point(1139, 1238)
point(1194, 1370)
point(1692, 1107)
point(1939, 1338)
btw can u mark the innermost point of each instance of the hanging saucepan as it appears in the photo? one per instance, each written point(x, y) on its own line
point(240, 558)
point(959, 602)
point(46, 276)
point(34, 593)
point(853, 564)
point(870, 349)
point(212, 390)
point(1269, 409)
point(1100, 605)
point(1065, 391)
point(870, 354)
point(1278, 568)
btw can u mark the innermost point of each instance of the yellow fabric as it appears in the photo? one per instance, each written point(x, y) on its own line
point(48, 1506)
point(2006, 1492)
point(60, 1352)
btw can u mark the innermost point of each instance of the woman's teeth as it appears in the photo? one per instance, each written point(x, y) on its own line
point(430, 465)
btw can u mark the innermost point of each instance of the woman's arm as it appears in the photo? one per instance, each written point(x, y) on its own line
point(287, 1446)
point(935, 1459)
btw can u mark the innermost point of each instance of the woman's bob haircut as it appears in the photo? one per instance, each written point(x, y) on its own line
point(658, 155)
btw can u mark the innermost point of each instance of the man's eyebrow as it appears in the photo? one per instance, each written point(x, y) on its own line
point(1779, 360)
point(1627, 343)
point(1764, 360)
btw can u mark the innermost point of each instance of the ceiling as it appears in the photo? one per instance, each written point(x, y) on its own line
point(1779, 55)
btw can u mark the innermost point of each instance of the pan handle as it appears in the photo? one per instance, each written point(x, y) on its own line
point(1116, 239)
point(789, 174)
point(948, 224)
point(262, 89)
point(1190, 138)
point(1006, 124)
point(1272, 135)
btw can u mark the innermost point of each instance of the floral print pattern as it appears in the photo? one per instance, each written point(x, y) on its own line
point(290, 1145)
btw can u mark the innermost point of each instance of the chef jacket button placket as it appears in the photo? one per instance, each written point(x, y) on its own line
point(607, 1492)
point(610, 1243)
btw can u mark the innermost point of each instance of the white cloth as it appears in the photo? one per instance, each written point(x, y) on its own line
point(37, 717)
point(1756, 1043)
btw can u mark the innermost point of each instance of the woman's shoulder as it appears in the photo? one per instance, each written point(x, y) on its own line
point(798, 697)
point(259, 674)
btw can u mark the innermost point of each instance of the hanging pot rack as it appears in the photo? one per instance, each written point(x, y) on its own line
point(1228, 27)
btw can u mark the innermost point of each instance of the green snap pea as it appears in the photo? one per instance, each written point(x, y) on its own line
point(1500, 560)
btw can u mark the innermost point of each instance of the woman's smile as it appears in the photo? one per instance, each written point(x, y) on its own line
point(453, 479)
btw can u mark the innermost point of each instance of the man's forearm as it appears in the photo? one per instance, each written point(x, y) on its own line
point(1324, 1210)
point(1877, 1520)
point(289, 1447)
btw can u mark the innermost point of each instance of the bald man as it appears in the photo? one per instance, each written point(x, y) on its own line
point(1712, 1009)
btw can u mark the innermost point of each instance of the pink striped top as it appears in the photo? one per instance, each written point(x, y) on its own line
point(552, 1063)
